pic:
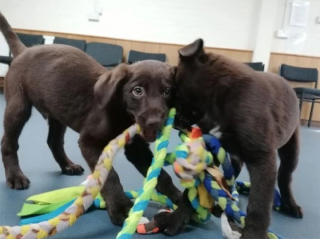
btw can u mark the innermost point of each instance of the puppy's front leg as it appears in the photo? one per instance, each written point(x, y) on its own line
point(117, 203)
point(173, 223)
point(262, 171)
point(237, 165)
point(140, 155)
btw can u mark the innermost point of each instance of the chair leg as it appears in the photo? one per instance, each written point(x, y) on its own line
point(311, 113)
point(300, 104)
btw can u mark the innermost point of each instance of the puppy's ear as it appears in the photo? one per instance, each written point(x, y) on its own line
point(110, 83)
point(192, 50)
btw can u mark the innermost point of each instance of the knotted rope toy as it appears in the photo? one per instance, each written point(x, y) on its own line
point(69, 216)
point(198, 169)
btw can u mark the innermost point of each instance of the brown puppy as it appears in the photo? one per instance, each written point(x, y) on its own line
point(256, 114)
point(71, 89)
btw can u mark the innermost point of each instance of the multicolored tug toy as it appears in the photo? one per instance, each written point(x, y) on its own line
point(208, 187)
point(197, 167)
point(69, 215)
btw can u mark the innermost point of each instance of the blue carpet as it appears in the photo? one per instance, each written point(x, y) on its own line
point(38, 164)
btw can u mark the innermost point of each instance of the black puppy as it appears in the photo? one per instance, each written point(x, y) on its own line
point(256, 114)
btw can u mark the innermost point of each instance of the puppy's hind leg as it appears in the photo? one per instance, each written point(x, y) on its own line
point(17, 113)
point(289, 156)
point(55, 142)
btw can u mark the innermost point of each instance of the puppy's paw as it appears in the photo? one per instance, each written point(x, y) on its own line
point(292, 209)
point(18, 181)
point(250, 233)
point(170, 223)
point(72, 169)
point(118, 210)
point(230, 230)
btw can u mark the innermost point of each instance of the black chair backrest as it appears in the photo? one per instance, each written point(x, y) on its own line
point(258, 66)
point(299, 74)
point(28, 40)
point(135, 56)
point(31, 40)
point(80, 44)
point(105, 54)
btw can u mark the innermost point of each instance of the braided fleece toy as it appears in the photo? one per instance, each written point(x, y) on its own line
point(195, 166)
point(72, 213)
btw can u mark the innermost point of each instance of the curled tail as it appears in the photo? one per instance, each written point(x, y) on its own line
point(15, 45)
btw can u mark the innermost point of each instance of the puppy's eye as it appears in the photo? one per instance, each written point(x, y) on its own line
point(138, 91)
point(167, 92)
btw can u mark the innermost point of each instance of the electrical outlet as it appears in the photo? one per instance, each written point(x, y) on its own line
point(99, 10)
point(94, 17)
point(282, 34)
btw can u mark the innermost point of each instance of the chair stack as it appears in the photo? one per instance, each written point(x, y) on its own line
point(108, 55)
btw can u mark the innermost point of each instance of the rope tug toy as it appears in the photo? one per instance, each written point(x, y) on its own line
point(208, 187)
point(70, 215)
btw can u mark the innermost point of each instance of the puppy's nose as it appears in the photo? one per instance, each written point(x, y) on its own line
point(153, 122)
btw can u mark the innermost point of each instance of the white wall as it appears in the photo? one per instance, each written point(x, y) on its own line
point(311, 46)
point(222, 23)
point(264, 31)
point(4, 51)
